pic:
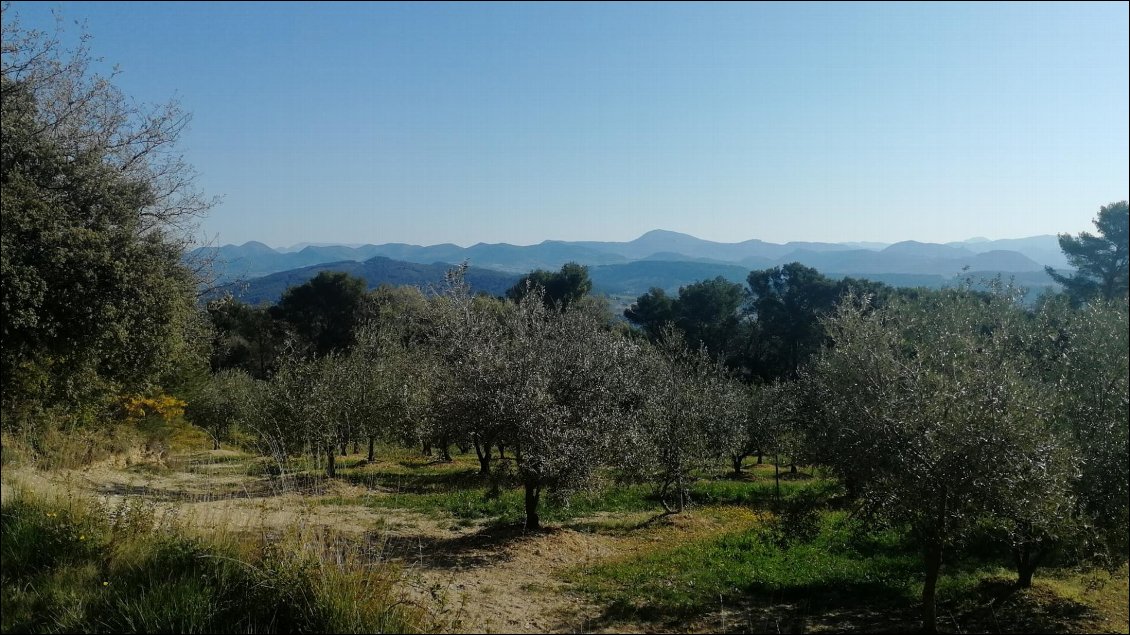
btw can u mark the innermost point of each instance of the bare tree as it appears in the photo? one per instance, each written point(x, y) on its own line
point(86, 115)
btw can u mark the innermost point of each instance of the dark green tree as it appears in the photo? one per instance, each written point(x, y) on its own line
point(1102, 262)
point(324, 311)
point(651, 311)
point(787, 304)
point(708, 313)
point(561, 288)
point(244, 337)
point(96, 301)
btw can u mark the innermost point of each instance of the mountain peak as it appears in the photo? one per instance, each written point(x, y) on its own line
point(926, 250)
point(662, 234)
point(256, 247)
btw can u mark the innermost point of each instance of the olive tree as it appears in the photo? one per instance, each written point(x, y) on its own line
point(222, 401)
point(691, 400)
point(302, 407)
point(1084, 355)
point(470, 340)
point(388, 384)
point(282, 408)
point(927, 409)
point(566, 395)
point(734, 435)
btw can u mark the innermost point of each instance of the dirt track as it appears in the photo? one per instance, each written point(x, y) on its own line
point(477, 578)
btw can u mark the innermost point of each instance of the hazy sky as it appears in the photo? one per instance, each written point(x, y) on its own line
point(429, 123)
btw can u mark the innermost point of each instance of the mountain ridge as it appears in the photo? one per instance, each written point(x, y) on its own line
point(622, 283)
point(254, 259)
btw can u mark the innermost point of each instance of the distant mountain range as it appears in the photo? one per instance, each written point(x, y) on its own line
point(375, 271)
point(257, 273)
point(254, 259)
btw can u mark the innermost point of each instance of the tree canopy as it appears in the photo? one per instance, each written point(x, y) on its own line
point(1102, 262)
point(325, 311)
point(96, 300)
point(963, 410)
point(557, 288)
point(787, 304)
point(708, 313)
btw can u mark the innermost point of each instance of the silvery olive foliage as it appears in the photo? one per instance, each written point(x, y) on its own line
point(1084, 360)
point(221, 402)
point(689, 415)
point(468, 368)
point(574, 393)
point(736, 434)
point(390, 385)
point(932, 413)
point(285, 406)
point(322, 404)
point(762, 419)
point(551, 384)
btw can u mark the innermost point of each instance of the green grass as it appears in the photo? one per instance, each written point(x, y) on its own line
point(508, 505)
point(836, 566)
point(837, 576)
point(759, 492)
point(77, 567)
point(455, 490)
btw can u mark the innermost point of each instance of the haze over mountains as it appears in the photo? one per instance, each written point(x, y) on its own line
point(658, 258)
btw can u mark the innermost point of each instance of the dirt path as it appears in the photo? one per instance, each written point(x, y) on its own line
point(474, 579)
point(503, 581)
point(477, 578)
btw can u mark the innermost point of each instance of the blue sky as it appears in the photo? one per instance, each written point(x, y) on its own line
point(429, 123)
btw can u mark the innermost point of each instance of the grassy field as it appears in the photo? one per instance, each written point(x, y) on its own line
point(178, 537)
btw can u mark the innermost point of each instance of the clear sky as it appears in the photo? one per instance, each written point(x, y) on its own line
point(429, 123)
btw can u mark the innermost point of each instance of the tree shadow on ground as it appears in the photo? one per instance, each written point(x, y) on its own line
point(485, 547)
point(866, 607)
point(416, 483)
point(995, 605)
point(998, 605)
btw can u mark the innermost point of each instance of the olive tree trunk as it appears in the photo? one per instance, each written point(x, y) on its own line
point(930, 588)
point(533, 494)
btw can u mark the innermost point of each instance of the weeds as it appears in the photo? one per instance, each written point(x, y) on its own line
point(81, 567)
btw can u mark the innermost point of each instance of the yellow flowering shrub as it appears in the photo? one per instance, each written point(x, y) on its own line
point(167, 407)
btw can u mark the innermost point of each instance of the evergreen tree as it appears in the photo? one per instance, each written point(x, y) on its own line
point(1101, 262)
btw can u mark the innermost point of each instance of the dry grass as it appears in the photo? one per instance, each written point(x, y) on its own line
point(475, 573)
